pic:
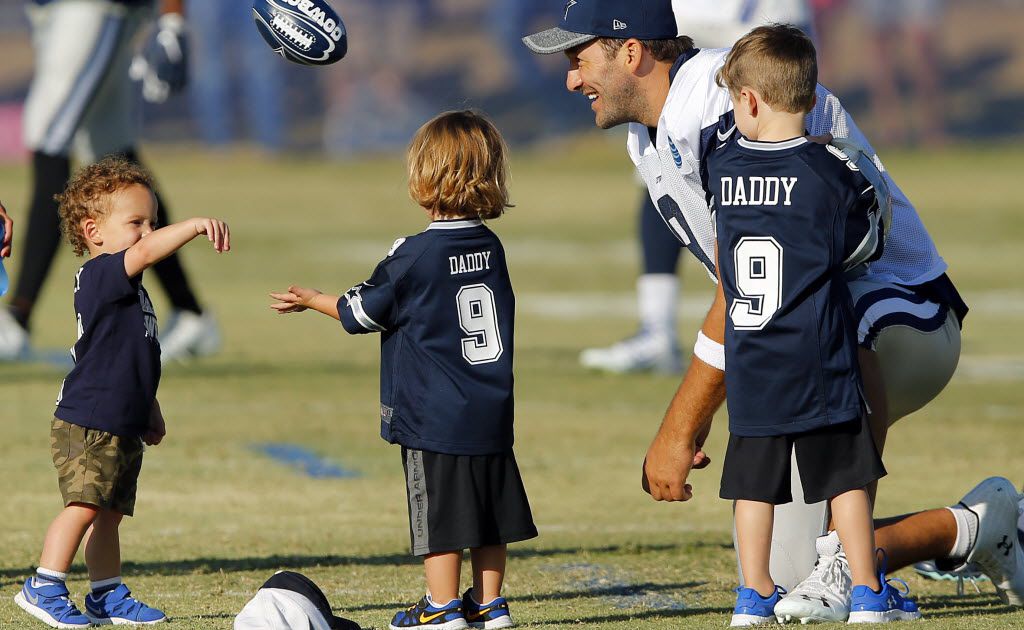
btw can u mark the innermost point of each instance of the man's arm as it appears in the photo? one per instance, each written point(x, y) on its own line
point(674, 450)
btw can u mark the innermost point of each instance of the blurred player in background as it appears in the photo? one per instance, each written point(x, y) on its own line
point(714, 24)
point(215, 84)
point(915, 23)
point(83, 104)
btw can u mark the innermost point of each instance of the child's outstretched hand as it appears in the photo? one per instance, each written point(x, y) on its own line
point(295, 300)
point(216, 231)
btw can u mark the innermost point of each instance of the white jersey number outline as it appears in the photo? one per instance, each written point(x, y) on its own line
point(758, 264)
point(478, 318)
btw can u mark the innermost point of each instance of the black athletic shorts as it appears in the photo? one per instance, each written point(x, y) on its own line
point(464, 501)
point(832, 460)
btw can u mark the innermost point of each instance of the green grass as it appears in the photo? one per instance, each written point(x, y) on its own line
point(214, 519)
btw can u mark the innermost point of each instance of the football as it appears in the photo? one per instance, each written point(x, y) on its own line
point(308, 32)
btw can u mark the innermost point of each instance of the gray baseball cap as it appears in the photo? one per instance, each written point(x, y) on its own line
point(586, 20)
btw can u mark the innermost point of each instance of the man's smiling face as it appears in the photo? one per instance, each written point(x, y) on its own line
point(606, 81)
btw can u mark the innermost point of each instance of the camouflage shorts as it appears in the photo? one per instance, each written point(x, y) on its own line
point(96, 467)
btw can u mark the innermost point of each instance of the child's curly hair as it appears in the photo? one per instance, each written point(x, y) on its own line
point(87, 194)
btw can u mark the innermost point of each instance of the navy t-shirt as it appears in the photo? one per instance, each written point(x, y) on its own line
point(443, 303)
point(117, 356)
point(792, 217)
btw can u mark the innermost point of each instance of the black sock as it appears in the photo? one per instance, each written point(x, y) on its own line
point(50, 173)
point(169, 270)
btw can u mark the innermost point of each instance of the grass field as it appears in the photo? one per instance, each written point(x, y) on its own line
point(215, 518)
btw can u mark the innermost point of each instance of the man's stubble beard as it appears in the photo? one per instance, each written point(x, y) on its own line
point(622, 103)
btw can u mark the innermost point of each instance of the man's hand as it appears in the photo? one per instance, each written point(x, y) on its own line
point(163, 66)
point(157, 429)
point(216, 231)
point(8, 236)
point(668, 464)
point(295, 300)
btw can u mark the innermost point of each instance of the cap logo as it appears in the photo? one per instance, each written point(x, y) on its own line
point(568, 5)
point(619, 25)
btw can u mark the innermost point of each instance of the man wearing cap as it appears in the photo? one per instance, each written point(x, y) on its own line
point(630, 59)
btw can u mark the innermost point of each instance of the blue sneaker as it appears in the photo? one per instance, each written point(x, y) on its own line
point(424, 614)
point(754, 610)
point(50, 603)
point(494, 615)
point(867, 606)
point(118, 607)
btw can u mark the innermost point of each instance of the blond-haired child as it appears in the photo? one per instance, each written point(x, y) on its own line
point(443, 303)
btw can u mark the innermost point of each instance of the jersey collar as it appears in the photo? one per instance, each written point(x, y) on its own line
point(454, 224)
point(683, 58)
point(772, 146)
point(672, 72)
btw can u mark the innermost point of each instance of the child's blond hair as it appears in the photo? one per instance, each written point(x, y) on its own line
point(88, 193)
point(458, 166)
point(779, 61)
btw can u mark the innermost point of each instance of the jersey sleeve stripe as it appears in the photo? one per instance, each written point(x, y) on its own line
point(355, 303)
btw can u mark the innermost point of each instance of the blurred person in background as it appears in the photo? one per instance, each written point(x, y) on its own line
point(370, 104)
point(528, 74)
point(914, 24)
point(233, 70)
point(83, 104)
point(655, 347)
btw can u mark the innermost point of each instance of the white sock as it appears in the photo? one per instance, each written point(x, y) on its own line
point(966, 531)
point(100, 585)
point(657, 294)
point(430, 599)
point(52, 576)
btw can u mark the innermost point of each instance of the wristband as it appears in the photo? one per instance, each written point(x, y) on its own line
point(709, 351)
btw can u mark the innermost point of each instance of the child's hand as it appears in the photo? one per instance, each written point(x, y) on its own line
point(215, 230)
point(8, 233)
point(157, 429)
point(295, 300)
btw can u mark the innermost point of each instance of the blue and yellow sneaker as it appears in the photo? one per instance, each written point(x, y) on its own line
point(426, 614)
point(116, 606)
point(754, 610)
point(867, 606)
point(494, 614)
point(49, 602)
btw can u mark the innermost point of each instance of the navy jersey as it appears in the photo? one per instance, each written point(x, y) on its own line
point(117, 356)
point(792, 217)
point(443, 303)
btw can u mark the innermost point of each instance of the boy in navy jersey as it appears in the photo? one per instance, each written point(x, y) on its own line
point(443, 303)
point(107, 405)
point(793, 217)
